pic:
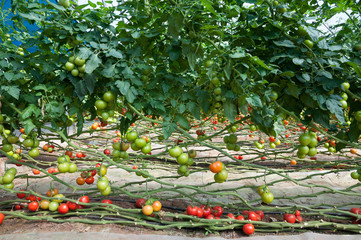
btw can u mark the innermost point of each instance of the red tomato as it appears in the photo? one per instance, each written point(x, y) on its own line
point(1, 218)
point(36, 171)
point(253, 216)
point(210, 216)
point(33, 206)
point(192, 210)
point(248, 228)
point(240, 217)
point(260, 213)
point(51, 170)
point(84, 199)
point(18, 207)
point(263, 158)
point(199, 212)
point(106, 151)
point(89, 180)
point(56, 170)
point(245, 213)
point(98, 165)
point(299, 219)
point(272, 139)
point(355, 210)
point(72, 205)
point(217, 211)
point(140, 202)
point(290, 218)
point(21, 195)
point(63, 208)
point(230, 215)
point(79, 155)
point(70, 154)
point(297, 213)
point(206, 211)
point(107, 201)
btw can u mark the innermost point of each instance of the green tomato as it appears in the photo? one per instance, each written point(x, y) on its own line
point(232, 138)
point(344, 96)
point(75, 72)
point(273, 96)
point(64, 167)
point(221, 176)
point(345, 86)
point(69, 66)
point(7, 147)
point(34, 152)
point(304, 139)
point(109, 96)
point(358, 116)
point(116, 145)
point(81, 69)
point(12, 139)
point(262, 189)
point(209, 63)
point(106, 191)
point(12, 171)
point(355, 175)
point(267, 197)
point(147, 149)
point(313, 142)
point(61, 159)
point(9, 185)
point(53, 206)
point(36, 143)
point(312, 152)
point(131, 136)
point(134, 147)
point(73, 167)
point(102, 184)
point(140, 142)
point(182, 169)
point(183, 159)
point(8, 178)
point(308, 43)
point(343, 104)
point(100, 104)
point(175, 151)
point(303, 150)
point(78, 61)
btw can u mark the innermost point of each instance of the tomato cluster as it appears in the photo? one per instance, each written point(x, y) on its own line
point(265, 193)
point(105, 106)
point(183, 159)
point(220, 171)
point(7, 179)
point(308, 146)
point(293, 218)
point(76, 66)
point(148, 206)
point(356, 220)
point(139, 143)
point(64, 164)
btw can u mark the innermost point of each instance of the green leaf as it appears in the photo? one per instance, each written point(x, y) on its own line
point(114, 53)
point(293, 90)
point(28, 125)
point(230, 110)
point(123, 86)
point(131, 94)
point(208, 4)
point(183, 122)
point(334, 106)
point(9, 75)
point(92, 63)
point(254, 100)
point(298, 61)
point(175, 24)
point(89, 81)
point(354, 132)
point(194, 109)
point(108, 71)
point(27, 112)
point(228, 69)
point(84, 53)
point(168, 129)
point(356, 68)
point(13, 91)
point(285, 43)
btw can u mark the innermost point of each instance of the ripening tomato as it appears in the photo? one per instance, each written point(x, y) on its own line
point(1, 218)
point(157, 206)
point(216, 167)
point(147, 210)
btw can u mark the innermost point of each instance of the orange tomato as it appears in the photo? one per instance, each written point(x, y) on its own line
point(147, 210)
point(157, 206)
point(261, 141)
point(216, 167)
point(353, 151)
point(293, 162)
point(22, 130)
